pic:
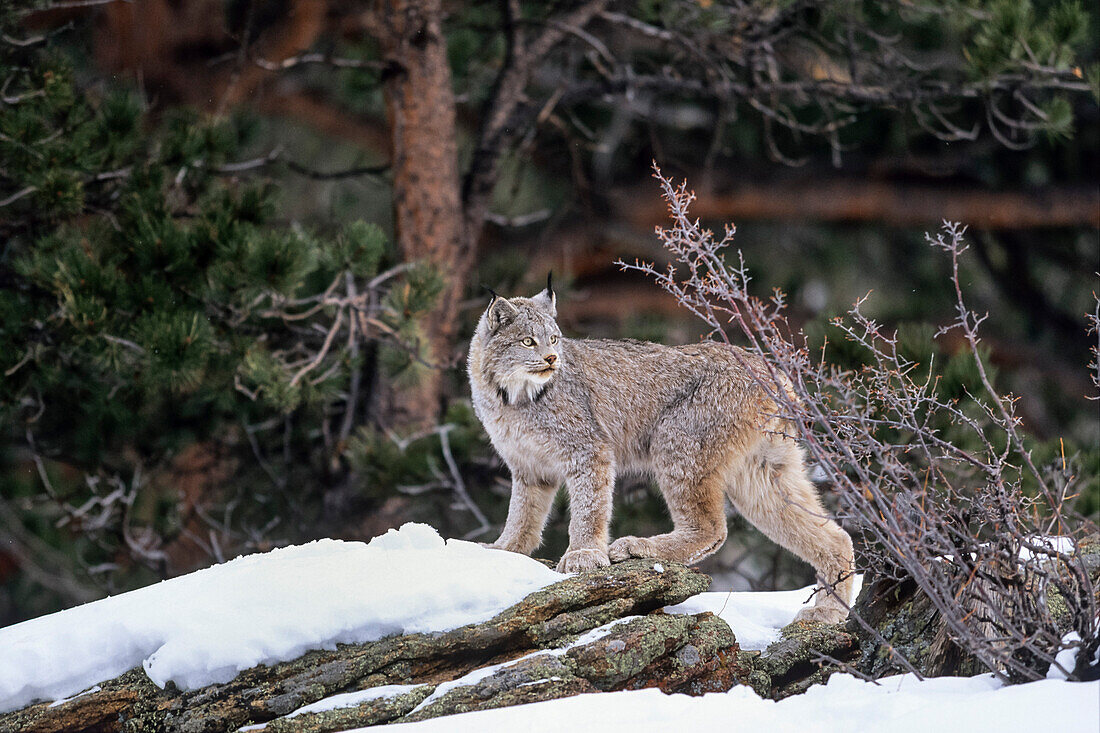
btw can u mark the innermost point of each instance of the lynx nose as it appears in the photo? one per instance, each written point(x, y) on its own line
point(550, 358)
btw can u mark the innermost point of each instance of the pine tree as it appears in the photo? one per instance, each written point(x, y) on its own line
point(150, 303)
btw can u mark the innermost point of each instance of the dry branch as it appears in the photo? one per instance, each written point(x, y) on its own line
point(893, 204)
point(942, 491)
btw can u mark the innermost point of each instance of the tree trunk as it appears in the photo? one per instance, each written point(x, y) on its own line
point(427, 206)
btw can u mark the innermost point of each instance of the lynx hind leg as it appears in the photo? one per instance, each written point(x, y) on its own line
point(771, 490)
point(698, 519)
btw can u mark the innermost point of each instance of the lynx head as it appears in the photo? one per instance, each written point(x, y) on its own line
point(518, 344)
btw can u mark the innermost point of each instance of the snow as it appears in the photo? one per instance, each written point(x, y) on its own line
point(755, 617)
point(1066, 659)
point(204, 628)
point(593, 634)
point(898, 704)
point(540, 682)
point(64, 700)
point(351, 699)
point(1057, 544)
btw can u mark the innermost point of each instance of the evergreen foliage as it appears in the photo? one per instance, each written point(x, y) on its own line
point(152, 304)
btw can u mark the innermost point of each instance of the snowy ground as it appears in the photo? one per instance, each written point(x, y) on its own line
point(755, 618)
point(896, 705)
point(206, 626)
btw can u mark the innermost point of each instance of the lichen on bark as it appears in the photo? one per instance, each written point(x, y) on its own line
point(548, 618)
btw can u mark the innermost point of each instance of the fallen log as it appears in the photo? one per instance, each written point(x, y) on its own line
point(541, 648)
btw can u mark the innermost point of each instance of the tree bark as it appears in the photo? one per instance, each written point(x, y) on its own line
point(690, 654)
point(169, 46)
point(879, 201)
point(438, 213)
point(427, 207)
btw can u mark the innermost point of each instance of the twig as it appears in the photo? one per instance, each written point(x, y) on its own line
point(460, 486)
point(841, 666)
point(19, 364)
point(18, 195)
point(332, 331)
point(356, 368)
point(123, 342)
point(520, 220)
point(67, 5)
point(276, 155)
point(954, 520)
point(317, 58)
point(455, 483)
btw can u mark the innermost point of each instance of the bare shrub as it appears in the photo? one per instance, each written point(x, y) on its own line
point(940, 489)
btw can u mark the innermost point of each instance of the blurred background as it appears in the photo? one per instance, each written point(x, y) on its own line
point(242, 242)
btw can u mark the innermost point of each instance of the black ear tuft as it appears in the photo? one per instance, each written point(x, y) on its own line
point(500, 311)
point(491, 292)
point(546, 298)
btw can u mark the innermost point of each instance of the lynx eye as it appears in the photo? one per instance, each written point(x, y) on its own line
point(528, 342)
point(554, 339)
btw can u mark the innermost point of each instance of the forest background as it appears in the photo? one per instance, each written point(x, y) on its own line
point(242, 242)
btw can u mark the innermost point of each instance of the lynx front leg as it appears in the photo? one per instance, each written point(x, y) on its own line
point(527, 511)
point(590, 490)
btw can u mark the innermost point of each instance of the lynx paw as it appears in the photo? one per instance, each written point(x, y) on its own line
point(498, 545)
point(575, 561)
point(625, 548)
point(828, 614)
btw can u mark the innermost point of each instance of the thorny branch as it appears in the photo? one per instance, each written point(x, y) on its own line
point(942, 490)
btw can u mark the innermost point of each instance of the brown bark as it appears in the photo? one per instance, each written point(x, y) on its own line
point(197, 477)
point(893, 204)
point(427, 209)
point(169, 46)
point(545, 619)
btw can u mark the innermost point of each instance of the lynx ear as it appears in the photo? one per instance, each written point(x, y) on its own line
point(547, 299)
point(501, 311)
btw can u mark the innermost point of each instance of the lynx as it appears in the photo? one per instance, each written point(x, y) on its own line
point(694, 417)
